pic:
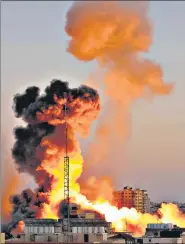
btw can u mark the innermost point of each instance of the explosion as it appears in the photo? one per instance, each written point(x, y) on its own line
point(115, 34)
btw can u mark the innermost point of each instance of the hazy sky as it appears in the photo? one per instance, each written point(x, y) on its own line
point(33, 52)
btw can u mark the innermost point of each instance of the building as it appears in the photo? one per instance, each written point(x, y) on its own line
point(162, 233)
point(156, 229)
point(77, 212)
point(146, 202)
point(128, 197)
point(139, 200)
point(132, 198)
point(159, 240)
point(118, 199)
point(124, 198)
point(50, 230)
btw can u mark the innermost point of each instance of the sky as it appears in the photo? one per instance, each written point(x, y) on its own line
point(33, 51)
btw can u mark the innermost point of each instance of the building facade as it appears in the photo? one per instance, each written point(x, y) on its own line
point(81, 230)
point(139, 200)
point(146, 202)
point(132, 198)
point(118, 199)
point(128, 197)
point(124, 198)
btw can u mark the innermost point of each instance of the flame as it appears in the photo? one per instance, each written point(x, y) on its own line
point(122, 219)
point(129, 219)
point(81, 113)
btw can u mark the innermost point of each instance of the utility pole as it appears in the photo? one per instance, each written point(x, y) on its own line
point(66, 178)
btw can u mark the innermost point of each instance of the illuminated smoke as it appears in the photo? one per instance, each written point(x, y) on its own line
point(116, 34)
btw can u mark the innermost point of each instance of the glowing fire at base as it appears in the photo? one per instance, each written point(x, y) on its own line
point(124, 218)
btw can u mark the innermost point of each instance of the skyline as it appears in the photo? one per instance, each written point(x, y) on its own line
point(34, 57)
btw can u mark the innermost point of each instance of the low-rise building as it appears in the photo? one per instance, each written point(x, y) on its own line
point(155, 230)
point(50, 230)
point(159, 240)
point(162, 233)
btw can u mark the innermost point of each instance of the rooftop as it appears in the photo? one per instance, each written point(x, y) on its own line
point(88, 222)
point(40, 221)
point(73, 222)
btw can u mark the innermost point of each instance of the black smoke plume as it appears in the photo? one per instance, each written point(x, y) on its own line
point(27, 142)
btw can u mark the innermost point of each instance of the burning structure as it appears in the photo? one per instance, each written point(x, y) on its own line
point(115, 35)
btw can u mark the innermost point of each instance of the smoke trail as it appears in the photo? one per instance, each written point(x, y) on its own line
point(115, 34)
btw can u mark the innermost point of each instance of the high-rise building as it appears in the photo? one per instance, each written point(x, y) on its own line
point(128, 197)
point(146, 202)
point(138, 200)
point(124, 198)
point(132, 198)
point(118, 199)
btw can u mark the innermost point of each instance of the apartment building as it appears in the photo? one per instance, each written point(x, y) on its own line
point(128, 197)
point(124, 198)
point(139, 200)
point(132, 198)
point(146, 202)
point(118, 199)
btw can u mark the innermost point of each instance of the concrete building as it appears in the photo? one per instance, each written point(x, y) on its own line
point(162, 233)
point(155, 230)
point(132, 198)
point(158, 240)
point(128, 197)
point(124, 198)
point(162, 240)
point(118, 199)
point(146, 202)
point(139, 200)
point(50, 230)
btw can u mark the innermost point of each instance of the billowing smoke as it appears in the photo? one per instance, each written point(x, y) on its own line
point(39, 147)
point(116, 34)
